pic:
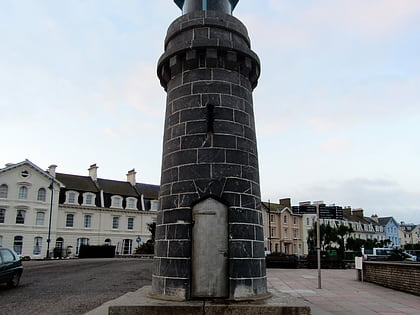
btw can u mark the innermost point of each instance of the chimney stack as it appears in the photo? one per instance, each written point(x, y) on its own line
point(358, 213)
point(285, 202)
point(93, 172)
point(131, 177)
point(51, 170)
point(375, 218)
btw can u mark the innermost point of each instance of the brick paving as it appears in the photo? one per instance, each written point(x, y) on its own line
point(341, 293)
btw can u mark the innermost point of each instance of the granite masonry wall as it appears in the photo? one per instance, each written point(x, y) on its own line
point(402, 276)
point(209, 150)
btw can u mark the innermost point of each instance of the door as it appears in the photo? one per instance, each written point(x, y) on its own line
point(210, 250)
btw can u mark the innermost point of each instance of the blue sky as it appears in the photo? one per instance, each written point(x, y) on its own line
point(337, 105)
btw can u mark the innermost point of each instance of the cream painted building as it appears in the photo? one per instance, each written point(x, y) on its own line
point(83, 209)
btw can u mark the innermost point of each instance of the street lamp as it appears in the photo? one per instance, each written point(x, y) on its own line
point(51, 187)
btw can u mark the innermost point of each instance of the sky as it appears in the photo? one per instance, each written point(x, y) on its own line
point(336, 108)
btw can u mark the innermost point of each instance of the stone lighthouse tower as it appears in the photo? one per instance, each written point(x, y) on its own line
point(209, 233)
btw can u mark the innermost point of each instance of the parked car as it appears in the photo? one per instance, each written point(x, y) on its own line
point(409, 257)
point(10, 267)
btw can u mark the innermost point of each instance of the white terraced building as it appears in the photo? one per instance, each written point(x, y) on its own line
point(84, 210)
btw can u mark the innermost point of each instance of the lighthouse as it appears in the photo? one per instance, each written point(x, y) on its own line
point(209, 241)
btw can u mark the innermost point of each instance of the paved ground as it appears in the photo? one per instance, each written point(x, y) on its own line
point(341, 293)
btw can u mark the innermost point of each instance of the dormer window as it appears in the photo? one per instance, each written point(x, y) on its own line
point(154, 205)
point(72, 197)
point(116, 202)
point(89, 199)
point(131, 203)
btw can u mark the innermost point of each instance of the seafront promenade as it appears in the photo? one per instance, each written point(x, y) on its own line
point(341, 293)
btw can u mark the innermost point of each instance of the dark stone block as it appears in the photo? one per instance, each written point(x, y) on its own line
point(247, 201)
point(241, 92)
point(223, 113)
point(232, 199)
point(180, 249)
point(179, 92)
point(173, 216)
point(245, 268)
point(161, 248)
point(177, 268)
point(211, 58)
point(259, 233)
point(228, 127)
point(195, 142)
point(224, 141)
point(258, 249)
point(168, 202)
point(179, 158)
point(159, 218)
point(242, 118)
point(187, 200)
point(246, 145)
point(172, 145)
point(191, 59)
point(238, 157)
point(241, 231)
point(196, 171)
point(165, 189)
point(201, 33)
point(175, 64)
point(170, 175)
point(233, 102)
point(240, 249)
point(239, 215)
point(183, 187)
point(226, 75)
point(208, 188)
point(211, 87)
point(238, 185)
point(219, 33)
point(160, 232)
point(210, 99)
point(250, 133)
point(244, 81)
point(173, 120)
point(250, 173)
point(231, 61)
point(211, 156)
point(178, 130)
point(196, 127)
point(226, 170)
point(236, 283)
point(193, 114)
point(197, 75)
point(186, 102)
point(179, 231)
point(255, 189)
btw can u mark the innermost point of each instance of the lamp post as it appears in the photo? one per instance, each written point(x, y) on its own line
point(269, 225)
point(51, 187)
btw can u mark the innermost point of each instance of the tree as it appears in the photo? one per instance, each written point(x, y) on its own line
point(149, 246)
point(330, 237)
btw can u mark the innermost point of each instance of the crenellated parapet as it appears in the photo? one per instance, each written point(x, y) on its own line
point(204, 39)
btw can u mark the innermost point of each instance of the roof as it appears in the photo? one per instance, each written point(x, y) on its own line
point(273, 207)
point(385, 220)
point(76, 182)
point(117, 187)
point(148, 191)
point(33, 166)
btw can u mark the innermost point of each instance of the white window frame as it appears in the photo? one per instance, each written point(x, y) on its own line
point(37, 245)
point(116, 202)
point(72, 220)
point(131, 203)
point(3, 215)
point(4, 191)
point(130, 224)
point(23, 212)
point(40, 218)
point(41, 197)
point(23, 193)
point(93, 199)
point(76, 197)
point(87, 221)
point(115, 222)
